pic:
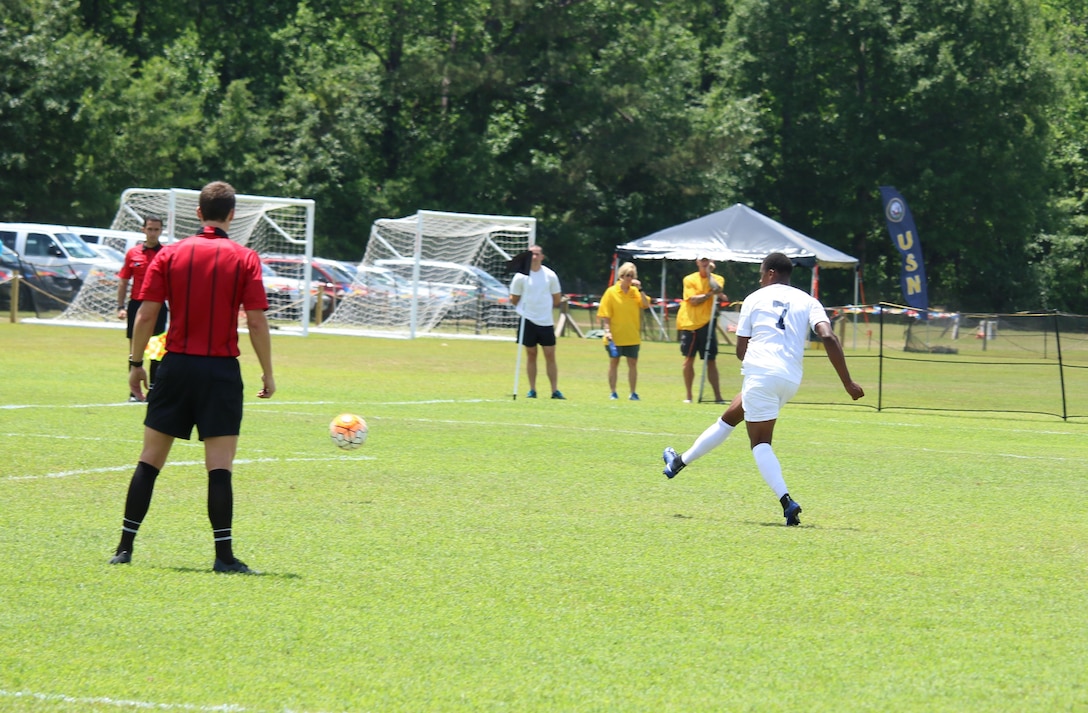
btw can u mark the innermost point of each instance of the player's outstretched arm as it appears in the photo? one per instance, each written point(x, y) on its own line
point(260, 337)
point(833, 347)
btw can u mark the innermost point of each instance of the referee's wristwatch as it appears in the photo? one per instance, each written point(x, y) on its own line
point(135, 364)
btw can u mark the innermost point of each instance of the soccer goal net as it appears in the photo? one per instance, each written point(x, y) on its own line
point(436, 272)
point(268, 225)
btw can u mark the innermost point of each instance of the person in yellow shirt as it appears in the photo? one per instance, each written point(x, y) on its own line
point(693, 324)
point(620, 313)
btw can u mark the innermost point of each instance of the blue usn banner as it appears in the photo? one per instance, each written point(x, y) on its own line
point(905, 236)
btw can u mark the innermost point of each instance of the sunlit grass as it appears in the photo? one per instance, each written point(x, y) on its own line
point(483, 553)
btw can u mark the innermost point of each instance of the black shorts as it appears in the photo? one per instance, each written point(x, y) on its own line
point(694, 342)
point(200, 391)
point(533, 334)
point(630, 351)
point(134, 307)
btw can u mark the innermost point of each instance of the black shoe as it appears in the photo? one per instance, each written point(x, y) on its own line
point(134, 399)
point(235, 567)
point(791, 512)
point(121, 558)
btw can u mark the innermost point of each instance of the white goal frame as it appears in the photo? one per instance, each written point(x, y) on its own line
point(267, 224)
point(415, 248)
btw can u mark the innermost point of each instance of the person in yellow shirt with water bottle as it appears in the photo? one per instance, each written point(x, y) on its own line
point(620, 312)
point(693, 324)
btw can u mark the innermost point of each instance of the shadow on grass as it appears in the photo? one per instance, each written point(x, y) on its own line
point(802, 526)
point(776, 523)
point(202, 570)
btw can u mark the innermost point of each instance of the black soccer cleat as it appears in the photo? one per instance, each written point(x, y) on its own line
point(791, 513)
point(235, 567)
point(121, 558)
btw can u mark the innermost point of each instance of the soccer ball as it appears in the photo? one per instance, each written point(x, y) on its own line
point(348, 431)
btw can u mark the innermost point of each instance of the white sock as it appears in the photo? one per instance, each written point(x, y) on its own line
point(769, 468)
point(710, 439)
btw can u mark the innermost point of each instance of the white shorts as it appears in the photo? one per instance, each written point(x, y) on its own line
point(764, 396)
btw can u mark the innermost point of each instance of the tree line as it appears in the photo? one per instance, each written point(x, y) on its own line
point(604, 119)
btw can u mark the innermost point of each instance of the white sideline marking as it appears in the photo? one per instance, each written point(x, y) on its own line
point(127, 404)
point(120, 703)
point(130, 466)
point(261, 403)
point(64, 437)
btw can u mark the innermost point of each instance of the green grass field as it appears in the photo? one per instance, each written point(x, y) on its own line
point(481, 553)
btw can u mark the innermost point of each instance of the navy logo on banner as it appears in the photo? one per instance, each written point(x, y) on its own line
point(905, 238)
point(895, 210)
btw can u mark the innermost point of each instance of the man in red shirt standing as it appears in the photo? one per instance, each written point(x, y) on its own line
point(137, 260)
point(206, 278)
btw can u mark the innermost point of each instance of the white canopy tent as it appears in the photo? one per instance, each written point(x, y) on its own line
point(737, 234)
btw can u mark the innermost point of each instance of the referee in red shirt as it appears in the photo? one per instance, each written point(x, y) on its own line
point(206, 278)
point(137, 260)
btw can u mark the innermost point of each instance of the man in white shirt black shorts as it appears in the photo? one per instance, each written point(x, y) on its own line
point(535, 296)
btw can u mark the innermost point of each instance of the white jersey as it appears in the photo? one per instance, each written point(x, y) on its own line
point(536, 290)
point(777, 319)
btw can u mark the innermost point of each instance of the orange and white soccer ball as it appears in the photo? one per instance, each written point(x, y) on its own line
point(348, 431)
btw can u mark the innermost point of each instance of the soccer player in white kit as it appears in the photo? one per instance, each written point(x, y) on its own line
point(774, 324)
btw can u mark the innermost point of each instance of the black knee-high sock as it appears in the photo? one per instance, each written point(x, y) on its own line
point(221, 512)
point(140, 489)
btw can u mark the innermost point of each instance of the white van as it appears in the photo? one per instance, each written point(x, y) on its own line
point(53, 246)
point(122, 240)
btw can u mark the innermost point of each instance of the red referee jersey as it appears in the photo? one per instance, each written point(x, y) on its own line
point(206, 279)
point(137, 260)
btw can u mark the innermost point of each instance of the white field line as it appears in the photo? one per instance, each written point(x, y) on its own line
point(119, 702)
point(130, 466)
point(125, 703)
point(263, 403)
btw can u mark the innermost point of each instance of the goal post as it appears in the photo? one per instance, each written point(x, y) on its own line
point(267, 224)
point(436, 270)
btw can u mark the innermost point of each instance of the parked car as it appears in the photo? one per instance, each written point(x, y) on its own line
point(473, 292)
point(109, 252)
point(328, 275)
point(123, 240)
point(40, 283)
point(321, 269)
point(383, 282)
point(285, 295)
point(53, 247)
point(119, 239)
point(6, 277)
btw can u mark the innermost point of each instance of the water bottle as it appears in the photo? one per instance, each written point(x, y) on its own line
point(613, 350)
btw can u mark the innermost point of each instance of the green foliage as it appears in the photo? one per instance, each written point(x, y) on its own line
point(164, 137)
point(945, 101)
point(1060, 258)
point(48, 68)
point(604, 120)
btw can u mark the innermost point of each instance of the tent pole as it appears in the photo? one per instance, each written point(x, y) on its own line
point(664, 306)
point(857, 270)
point(711, 334)
point(517, 361)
